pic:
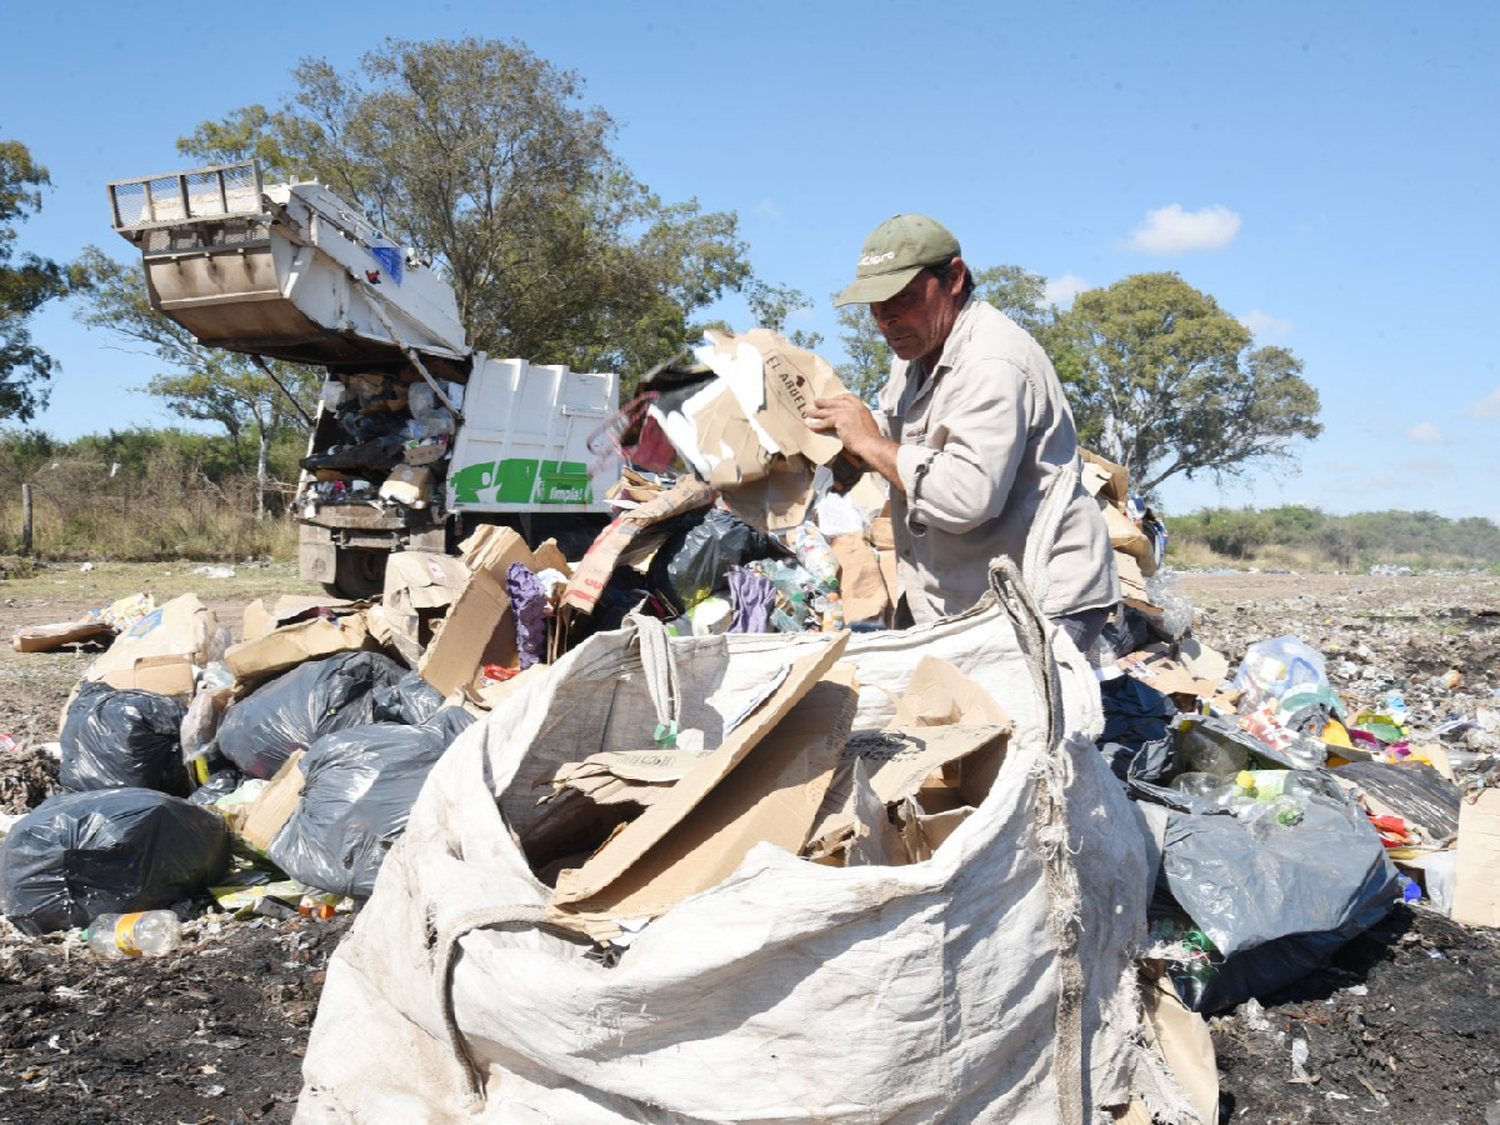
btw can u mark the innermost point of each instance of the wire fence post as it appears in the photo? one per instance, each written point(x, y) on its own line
point(26, 519)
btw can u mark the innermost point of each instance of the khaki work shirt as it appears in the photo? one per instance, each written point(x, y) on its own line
point(981, 438)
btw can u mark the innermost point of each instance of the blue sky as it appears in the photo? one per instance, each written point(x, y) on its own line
point(1327, 171)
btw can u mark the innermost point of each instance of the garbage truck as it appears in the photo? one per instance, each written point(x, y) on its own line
point(416, 434)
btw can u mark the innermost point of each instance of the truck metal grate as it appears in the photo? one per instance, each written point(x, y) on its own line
point(203, 193)
point(205, 236)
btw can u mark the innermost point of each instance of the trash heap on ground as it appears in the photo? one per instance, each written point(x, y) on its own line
point(274, 771)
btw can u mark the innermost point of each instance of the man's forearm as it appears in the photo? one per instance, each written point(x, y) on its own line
point(879, 455)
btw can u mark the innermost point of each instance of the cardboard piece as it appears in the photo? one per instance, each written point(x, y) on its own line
point(275, 805)
point(1125, 536)
point(593, 573)
point(635, 867)
point(771, 797)
point(410, 485)
point(159, 651)
point(44, 638)
point(861, 585)
point(897, 762)
point(261, 619)
point(938, 694)
point(1476, 883)
point(550, 557)
point(1154, 666)
point(1104, 479)
point(479, 628)
point(290, 645)
point(639, 777)
point(1202, 662)
point(419, 588)
point(492, 548)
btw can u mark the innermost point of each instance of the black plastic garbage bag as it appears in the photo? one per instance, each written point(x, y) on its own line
point(221, 783)
point(358, 789)
point(1414, 790)
point(410, 700)
point(116, 739)
point(1275, 900)
point(1134, 713)
point(378, 455)
point(292, 711)
point(78, 855)
point(695, 562)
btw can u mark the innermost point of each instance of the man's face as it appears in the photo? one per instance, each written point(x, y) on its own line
point(917, 320)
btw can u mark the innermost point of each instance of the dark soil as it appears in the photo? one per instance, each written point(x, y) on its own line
point(1403, 1027)
point(211, 1033)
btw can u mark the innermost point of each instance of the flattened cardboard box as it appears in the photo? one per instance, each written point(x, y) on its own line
point(275, 805)
point(593, 573)
point(1476, 883)
point(765, 782)
point(290, 645)
point(419, 587)
point(479, 628)
point(158, 652)
point(43, 638)
point(261, 619)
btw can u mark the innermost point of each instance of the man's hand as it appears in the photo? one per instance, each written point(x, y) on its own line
point(850, 419)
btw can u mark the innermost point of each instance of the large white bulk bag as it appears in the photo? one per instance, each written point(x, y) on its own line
point(991, 983)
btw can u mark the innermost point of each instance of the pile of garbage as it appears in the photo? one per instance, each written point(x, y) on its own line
point(383, 441)
point(1291, 818)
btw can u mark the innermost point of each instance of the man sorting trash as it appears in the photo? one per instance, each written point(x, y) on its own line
point(972, 431)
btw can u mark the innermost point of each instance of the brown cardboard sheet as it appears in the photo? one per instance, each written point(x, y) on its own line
point(290, 645)
point(766, 781)
point(275, 805)
point(598, 564)
point(44, 638)
point(158, 652)
point(861, 584)
point(1476, 882)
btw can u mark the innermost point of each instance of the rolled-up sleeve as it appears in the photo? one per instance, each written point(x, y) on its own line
point(960, 474)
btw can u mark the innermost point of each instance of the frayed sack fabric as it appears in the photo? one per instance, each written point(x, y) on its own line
point(993, 982)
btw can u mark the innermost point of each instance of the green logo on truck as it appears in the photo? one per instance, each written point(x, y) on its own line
point(522, 480)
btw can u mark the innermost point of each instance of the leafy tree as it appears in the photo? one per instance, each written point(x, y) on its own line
point(485, 156)
point(204, 384)
point(1018, 293)
point(1169, 384)
point(772, 304)
point(24, 287)
point(869, 355)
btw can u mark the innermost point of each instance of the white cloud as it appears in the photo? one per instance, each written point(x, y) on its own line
point(1171, 230)
point(1425, 433)
point(769, 209)
point(1487, 407)
point(1062, 290)
point(1266, 326)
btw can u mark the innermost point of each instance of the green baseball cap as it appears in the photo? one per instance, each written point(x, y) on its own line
point(896, 251)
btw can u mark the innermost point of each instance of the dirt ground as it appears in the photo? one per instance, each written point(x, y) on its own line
point(1403, 1026)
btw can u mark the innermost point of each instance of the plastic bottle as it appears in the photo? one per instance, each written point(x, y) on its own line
point(833, 614)
point(816, 556)
point(144, 933)
point(1197, 784)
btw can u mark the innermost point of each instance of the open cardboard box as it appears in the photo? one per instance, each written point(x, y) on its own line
point(764, 782)
point(159, 652)
point(479, 628)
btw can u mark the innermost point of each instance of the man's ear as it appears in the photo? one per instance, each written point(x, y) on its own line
point(956, 272)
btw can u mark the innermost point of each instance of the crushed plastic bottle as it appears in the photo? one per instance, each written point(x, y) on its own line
point(1176, 610)
point(814, 553)
point(144, 933)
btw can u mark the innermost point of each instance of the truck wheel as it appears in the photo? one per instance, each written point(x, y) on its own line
point(358, 574)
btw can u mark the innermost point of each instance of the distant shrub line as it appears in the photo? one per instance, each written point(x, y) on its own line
point(1311, 539)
